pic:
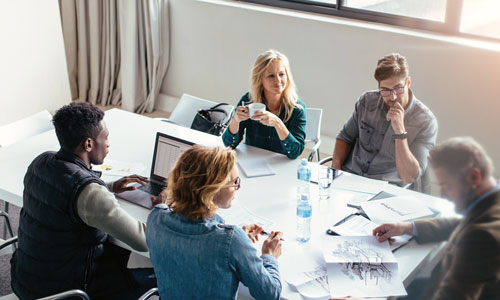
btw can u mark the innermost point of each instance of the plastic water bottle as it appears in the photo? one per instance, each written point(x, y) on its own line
point(304, 214)
point(304, 177)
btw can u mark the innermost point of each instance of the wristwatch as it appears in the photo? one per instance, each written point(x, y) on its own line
point(401, 136)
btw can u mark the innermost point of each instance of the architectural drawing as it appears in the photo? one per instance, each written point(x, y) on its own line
point(318, 276)
point(361, 266)
point(363, 263)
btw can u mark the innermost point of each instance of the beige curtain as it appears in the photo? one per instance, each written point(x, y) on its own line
point(117, 51)
point(144, 27)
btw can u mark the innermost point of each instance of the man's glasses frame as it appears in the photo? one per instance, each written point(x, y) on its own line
point(397, 91)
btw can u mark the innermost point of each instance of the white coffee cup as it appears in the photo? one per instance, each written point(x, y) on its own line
point(255, 107)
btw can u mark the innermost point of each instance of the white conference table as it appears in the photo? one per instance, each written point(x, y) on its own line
point(132, 139)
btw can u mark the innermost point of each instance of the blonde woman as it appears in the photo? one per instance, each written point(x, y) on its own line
point(282, 126)
point(194, 254)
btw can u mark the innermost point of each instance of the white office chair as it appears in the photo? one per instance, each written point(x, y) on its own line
point(313, 130)
point(21, 129)
point(184, 112)
point(29, 126)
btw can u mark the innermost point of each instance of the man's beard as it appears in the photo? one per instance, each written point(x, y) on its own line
point(467, 196)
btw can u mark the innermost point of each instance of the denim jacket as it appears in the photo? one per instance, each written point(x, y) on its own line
point(206, 259)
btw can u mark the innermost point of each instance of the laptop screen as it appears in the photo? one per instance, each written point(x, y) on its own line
point(167, 150)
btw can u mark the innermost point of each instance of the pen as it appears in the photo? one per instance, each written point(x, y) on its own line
point(263, 232)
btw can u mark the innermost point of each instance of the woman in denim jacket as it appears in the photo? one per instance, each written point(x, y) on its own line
point(194, 254)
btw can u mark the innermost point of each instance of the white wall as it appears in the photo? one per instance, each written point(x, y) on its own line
point(33, 74)
point(214, 44)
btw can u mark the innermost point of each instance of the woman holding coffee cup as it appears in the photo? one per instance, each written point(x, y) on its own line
point(271, 114)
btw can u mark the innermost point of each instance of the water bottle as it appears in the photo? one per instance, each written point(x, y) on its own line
point(304, 213)
point(304, 177)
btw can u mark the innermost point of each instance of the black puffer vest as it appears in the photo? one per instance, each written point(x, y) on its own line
point(57, 250)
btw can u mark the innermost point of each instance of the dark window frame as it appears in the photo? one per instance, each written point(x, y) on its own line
point(450, 26)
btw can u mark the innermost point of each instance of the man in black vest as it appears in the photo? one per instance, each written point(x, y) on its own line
point(67, 214)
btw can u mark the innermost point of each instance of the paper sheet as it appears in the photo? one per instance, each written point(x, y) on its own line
point(361, 226)
point(315, 171)
point(361, 266)
point(118, 168)
point(240, 216)
point(359, 184)
point(395, 209)
point(311, 283)
point(256, 167)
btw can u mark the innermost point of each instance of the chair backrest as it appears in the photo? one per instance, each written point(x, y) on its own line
point(149, 294)
point(68, 294)
point(313, 125)
point(184, 112)
point(29, 126)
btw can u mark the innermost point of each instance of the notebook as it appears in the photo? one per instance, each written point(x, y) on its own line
point(256, 167)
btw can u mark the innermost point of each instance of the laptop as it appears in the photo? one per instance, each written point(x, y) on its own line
point(167, 150)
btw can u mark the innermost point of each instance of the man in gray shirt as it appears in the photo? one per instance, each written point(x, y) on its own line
point(390, 132)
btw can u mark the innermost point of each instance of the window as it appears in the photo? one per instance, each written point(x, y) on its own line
point(476, 18)
point(434, 10)
point(481, 17)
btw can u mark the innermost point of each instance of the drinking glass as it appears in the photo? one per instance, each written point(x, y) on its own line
point(325, 178)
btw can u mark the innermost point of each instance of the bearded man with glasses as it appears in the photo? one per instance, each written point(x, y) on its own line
point(390, 133)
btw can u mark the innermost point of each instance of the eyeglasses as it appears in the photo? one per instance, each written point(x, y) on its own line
point(236, 184)
point(398, 91)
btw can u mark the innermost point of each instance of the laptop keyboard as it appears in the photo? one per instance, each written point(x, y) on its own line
point(152, 188)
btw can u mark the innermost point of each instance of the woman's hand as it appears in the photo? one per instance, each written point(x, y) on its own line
point(272, 245)
point(267, 118)
point(241, 114)
point(253, 231)
point(161, 198)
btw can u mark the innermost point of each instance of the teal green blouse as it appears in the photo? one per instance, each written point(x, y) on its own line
point(266, 137)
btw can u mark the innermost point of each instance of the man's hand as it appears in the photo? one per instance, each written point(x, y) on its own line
point(385, 231)
point(272, 245)
point(396, 115)
point(253, 231)
point(121, 185)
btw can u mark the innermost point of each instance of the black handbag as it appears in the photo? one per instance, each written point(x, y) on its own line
point(213, 120)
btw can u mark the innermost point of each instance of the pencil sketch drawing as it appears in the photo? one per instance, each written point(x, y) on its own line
point(362, 263)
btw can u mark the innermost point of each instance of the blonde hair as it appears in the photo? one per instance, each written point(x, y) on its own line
point(199, 173)
point(289, 95)
point(393, 64)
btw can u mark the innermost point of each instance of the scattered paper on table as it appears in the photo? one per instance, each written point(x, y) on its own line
point(241, 216)
point(361, 226)
point(311, 283)
point(359, 184)
point(315, 167)
point(361, 266)
point(256, 167)
point(395, 209)
point(119, 168)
